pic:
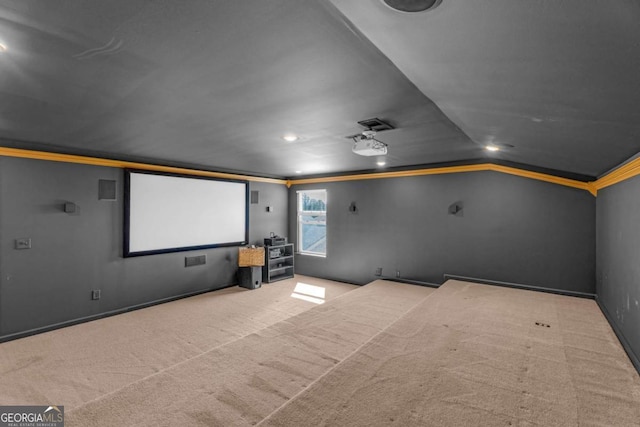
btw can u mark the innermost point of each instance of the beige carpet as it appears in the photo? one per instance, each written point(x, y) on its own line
point(382, 354)
point(77, 364)
point(478, 355)
point(242, 382)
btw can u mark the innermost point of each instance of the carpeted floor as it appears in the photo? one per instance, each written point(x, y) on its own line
point(77, 364)
point(383, 354)
point(242, 382)
point(478, 355)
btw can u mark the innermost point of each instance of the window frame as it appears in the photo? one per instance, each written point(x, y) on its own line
point(299, 222)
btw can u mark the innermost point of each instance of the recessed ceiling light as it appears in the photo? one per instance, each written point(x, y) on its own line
point(3, 47)
point(313, 167)
point(290, 137)
point(492, 148)
point(381, 163)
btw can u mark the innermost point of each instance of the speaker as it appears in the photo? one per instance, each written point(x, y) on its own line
point(412, 6)
point(250, 277)
point(255, 197)
point(106, 189)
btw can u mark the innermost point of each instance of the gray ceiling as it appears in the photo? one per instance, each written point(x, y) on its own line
point(215, 84)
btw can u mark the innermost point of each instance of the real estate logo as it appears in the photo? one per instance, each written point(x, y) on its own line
point(32, 416)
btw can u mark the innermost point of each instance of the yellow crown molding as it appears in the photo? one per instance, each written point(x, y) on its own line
point(70, 158)
point(624, 172)
point(541, 177)
point(452, 169)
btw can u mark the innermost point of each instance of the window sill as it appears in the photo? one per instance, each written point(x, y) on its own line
point(311, 254)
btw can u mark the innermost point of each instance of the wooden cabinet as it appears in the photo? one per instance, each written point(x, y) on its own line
point(278, 263)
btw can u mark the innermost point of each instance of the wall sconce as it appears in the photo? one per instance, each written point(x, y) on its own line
point(456, 208)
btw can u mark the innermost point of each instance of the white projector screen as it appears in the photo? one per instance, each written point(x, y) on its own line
point(170, 213)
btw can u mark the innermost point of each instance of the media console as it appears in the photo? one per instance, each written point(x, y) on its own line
point(278, 263)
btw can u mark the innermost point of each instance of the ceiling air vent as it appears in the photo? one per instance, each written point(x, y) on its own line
point(375, 125)
point(412, 5)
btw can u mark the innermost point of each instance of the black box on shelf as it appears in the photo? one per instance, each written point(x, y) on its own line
point(275, 252)
point(275, 241)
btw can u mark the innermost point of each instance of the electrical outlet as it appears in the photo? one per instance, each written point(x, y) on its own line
point(95, 294)
point(397, 273)
point(378, 271)
point(70, 207)
point(24, 243)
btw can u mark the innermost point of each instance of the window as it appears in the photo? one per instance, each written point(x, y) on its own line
point(312, 222)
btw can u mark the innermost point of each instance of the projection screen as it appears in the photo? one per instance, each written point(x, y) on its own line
point(171, 213)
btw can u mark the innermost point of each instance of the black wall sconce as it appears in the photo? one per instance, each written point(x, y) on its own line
point(456, 208)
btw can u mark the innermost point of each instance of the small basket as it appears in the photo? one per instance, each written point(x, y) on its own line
point(250, 257)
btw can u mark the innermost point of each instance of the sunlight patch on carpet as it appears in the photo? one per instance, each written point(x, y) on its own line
point(311, 293)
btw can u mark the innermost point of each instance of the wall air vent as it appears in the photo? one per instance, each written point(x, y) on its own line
point(412, 5)
point(191, 261)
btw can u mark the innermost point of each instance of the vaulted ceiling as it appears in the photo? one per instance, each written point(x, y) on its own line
point(216, 84)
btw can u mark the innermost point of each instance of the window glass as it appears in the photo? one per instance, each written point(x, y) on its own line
point(312, 222)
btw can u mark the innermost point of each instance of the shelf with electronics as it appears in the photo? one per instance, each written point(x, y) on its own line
point(279, 260)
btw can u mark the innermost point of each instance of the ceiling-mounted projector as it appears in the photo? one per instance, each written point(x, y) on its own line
point(370, 147)
point(366, 145)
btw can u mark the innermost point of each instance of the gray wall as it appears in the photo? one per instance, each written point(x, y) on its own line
point(618, 260)
point(511, 229)
point(74, 253)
